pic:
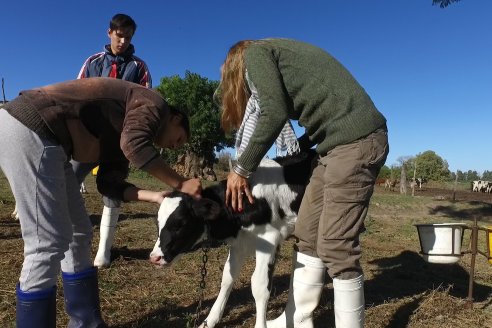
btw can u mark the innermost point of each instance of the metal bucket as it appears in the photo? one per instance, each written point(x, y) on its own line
point(441, 242)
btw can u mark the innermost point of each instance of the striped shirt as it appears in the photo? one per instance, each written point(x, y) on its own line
point(286, 142)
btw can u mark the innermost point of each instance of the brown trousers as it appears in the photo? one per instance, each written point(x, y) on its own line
point(335, 204)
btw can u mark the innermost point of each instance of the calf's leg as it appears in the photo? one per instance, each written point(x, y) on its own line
point(266, 250)
point(232, 267)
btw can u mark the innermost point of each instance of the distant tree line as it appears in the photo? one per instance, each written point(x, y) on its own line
point(431, 166)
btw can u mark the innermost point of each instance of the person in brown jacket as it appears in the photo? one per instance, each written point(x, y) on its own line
point(109, 121)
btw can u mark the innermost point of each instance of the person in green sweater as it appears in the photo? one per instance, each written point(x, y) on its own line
point(292, 80)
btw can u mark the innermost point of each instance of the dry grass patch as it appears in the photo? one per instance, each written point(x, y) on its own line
point(401, 289)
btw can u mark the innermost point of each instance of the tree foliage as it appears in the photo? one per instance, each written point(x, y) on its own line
point(384, 173)
point(431, 166)
point(404, 161)
point(470, 175)
point(194, 94)
point(443, 3)
point(486, 175)
point(427, 165)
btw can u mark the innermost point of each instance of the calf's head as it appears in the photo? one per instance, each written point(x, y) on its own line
point(181, 225)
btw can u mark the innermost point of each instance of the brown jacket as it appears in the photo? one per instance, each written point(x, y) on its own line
point(123, 116)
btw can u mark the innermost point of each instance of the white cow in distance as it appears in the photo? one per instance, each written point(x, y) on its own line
point(482, 186)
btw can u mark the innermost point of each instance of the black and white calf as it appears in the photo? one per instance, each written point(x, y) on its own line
point(419, 182)
point(278, 187)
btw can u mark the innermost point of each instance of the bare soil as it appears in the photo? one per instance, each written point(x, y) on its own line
point(401, 289)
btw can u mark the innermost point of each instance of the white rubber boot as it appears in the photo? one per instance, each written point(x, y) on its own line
point(109, 219)
point(83, 189)
point(306, 285)
point(349, 302)
point(15, 214)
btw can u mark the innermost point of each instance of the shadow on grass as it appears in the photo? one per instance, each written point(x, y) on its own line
point(408, 275)
point(171, 316)
point(143, 253)
point(96, 218)
point(482, 211)
point(402, 317)
point(126, 254)
point(9, 229)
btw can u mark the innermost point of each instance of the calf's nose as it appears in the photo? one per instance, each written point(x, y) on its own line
point(155, 259)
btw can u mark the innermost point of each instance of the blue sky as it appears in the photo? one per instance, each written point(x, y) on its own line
point(427, 69)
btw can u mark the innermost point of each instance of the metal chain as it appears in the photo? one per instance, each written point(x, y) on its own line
point(203, 273)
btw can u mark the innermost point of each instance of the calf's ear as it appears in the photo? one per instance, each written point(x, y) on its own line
point(206, 209)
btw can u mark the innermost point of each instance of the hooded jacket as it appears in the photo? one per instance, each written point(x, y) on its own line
point(130, 67)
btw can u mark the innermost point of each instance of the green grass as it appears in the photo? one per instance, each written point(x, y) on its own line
point(396, 199)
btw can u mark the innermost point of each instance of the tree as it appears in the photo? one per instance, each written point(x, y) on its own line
point(404, 162)
point(458, 176)
point(384, 173)
point(472, 175)
point(443, 3)
point(461, 175)
point(395, 172)
point(487, 175)
point(194, 95)
point(403, 179)
point(431, 166)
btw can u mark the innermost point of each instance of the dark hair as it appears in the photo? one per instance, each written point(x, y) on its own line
point(185, 120)
point(122, 20)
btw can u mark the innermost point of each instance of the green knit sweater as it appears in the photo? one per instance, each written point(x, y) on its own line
point(299, 81)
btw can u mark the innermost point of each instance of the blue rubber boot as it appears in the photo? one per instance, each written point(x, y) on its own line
point(36, 309)
point(81, 293)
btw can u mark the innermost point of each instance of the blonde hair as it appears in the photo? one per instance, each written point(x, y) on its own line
point(234, 92)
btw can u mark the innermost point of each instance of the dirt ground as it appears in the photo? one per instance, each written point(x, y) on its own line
point(401, 289)
point(448, 194)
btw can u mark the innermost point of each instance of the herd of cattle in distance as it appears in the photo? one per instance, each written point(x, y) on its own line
point(477, 185)
point(482, 186)
point(390, 184)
